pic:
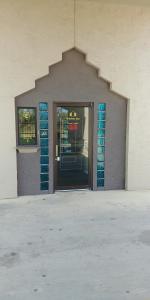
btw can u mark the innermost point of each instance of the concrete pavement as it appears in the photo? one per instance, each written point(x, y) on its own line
point(77, 245)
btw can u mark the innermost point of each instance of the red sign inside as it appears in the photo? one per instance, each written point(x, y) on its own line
point(73, 126)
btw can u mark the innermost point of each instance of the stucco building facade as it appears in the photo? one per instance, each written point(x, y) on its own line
point(107, 44)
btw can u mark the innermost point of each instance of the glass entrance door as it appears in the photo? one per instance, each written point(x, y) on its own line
point(72, 147)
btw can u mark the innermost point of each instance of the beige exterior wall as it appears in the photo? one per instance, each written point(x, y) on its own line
point(115, 37)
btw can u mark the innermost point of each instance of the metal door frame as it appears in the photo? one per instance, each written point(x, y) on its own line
point(90, 105)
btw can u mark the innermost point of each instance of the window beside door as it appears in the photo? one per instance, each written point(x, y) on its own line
point(27, 130)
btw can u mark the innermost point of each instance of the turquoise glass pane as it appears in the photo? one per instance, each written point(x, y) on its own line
point(100, 150)
point(100, 166)
point(44, 142)
point(43, 125)
point(100, 174)
point(101, 124)
point(44, 151)
point(101, 144)
point(102, 106)
point(43, 115)
point(44, 177)
point(44, 169)
point(100, 182)
point(43, 106)
point(43, 133)
point(66, 126)
point(101, 141)
point(44, 160)
point(101, 115)
point(101, 132)
point(100, 157)
point(44, 186)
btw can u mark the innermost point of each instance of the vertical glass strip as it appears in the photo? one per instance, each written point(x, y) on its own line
point(44, 146)
point(101, 126)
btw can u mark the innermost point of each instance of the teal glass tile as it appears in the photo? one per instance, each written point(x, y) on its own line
point(100, 150)
point(101, 125)
point(44, 160)
point(44, 150)
point(44, 186)
point(44, 177)
point(43, 133)
point(100, 174)
point(43, 115)
point(102, 106)
point(66, 126)
point(101, 132)
point(101, 115)
point(44, 168)
point(44, 142)
point(43, 124)
point(100, 166)
point(65, 121)
point(100, 182)
point(43, 106)
point(101, 141)
point(100, 157)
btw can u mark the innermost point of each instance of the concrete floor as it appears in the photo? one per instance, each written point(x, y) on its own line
point(76, 246)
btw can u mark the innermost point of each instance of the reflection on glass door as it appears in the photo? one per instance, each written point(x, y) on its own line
point(72, 146)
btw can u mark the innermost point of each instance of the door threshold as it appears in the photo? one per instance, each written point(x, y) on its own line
point(73, 190)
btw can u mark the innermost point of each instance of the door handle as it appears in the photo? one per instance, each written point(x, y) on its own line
point(56, 150)
point(57, 158)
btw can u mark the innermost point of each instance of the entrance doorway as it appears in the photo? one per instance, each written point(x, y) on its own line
point(70, 143)
point(73, 145)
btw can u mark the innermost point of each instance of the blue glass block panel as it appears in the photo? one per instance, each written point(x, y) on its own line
point(44, 177)
point(101, 141)
point(43, 115)
point(100, 150)
point(101, 124)
point(100, 182)
point(44, 160)
point(44, 168)
point(100, 157)
point(101, 115)
point(100, 174)
point(43, 125)
point(100, 166)
point(43, 106)
point(44, 151)
point(101, 144)
point(102, 106)
point(44, 186)
point(101, 132)
point(44, 142)
point(43, 133)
